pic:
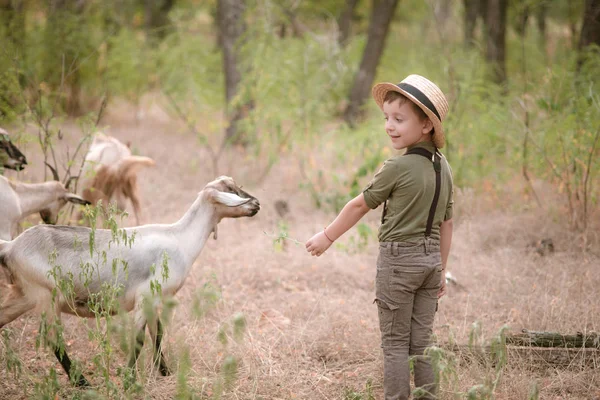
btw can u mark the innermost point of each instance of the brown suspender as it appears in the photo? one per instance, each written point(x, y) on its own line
point(437, 167)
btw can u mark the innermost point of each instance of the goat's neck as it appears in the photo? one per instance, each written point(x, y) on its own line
point(194, 228)
point(38, 196)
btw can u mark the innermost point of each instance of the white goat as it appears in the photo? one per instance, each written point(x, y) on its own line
point(110, 173)
point(26, 259)
point(19, 200)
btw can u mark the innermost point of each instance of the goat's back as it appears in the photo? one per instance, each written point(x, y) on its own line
point(106, 150)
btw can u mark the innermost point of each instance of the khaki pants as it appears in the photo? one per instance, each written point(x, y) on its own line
point(407, 283)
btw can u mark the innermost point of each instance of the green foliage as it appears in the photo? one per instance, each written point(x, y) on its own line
point(295, 84)
point(493, 363)
point(296, 88)
point(48, 388)
point(282, 235)
point(11, 358)
point(367, 394)
point(183, 389)
point(205, 298)
point(444, 365)
point(534, 393)
point(130, 66)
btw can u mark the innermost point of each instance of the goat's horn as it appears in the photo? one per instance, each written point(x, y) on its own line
point(71, 179)
point(54, 173)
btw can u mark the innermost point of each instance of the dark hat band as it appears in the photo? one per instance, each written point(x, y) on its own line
point(419, 96)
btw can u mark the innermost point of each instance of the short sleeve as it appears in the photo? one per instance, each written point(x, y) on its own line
point(381, 186)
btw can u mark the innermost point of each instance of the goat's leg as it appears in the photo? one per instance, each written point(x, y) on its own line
point(137, 346)
point(13, 304)
point(54, 340)
point(140, 332)
point(138, 343)
point(65, 361)
point(156, 332)
point(17, 306)
point(135, 202)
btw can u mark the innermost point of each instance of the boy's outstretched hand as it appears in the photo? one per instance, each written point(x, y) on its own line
point(318, 244)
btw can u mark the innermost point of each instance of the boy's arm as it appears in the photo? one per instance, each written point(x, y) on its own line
point(352, 212)
point(445, 243)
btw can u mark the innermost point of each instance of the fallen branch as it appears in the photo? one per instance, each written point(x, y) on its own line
point(554, 339)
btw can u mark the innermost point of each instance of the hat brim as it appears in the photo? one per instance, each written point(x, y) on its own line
point(381, 89)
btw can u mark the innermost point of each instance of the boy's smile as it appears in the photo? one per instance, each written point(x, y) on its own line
point(403, 125)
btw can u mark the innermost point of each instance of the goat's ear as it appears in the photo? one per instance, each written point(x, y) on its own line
point(73, 198)
point(228, 199)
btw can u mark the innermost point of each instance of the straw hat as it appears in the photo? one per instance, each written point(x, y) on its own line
point(423, 93)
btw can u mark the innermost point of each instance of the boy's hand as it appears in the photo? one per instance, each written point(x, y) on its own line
point(318, 244)
point(442, 290)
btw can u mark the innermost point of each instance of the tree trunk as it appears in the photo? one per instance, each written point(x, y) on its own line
point(541, 14)
point(541, 20)
point(381, 18)
point(13, 17)
point(231, 29)
point(157, 17)
point(522, 19)
point(590, 30)
point(63, 17)
point(471, 12)
point(495, 30)
point(442, 10)
point(345, 22)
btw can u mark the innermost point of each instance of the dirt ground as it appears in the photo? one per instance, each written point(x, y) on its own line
point(311, 325)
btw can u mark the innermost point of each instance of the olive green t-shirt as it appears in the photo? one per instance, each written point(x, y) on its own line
point(407, 182)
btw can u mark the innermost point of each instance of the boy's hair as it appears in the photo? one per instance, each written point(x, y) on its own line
point(392, 96)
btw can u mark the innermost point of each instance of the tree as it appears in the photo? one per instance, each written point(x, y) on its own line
point(541, 14)
point(539, 9)
point(64, 45)
point(495, 32)
point(473, 10)
point(157, 16)
point(345, 20)
point(590, 30)
point(522, 19)
point(12, 16)
point(232, 27)
point(379, 25)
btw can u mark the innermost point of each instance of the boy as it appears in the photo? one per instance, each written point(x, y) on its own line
point(415, 233)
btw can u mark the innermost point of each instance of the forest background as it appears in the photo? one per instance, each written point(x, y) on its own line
point(277, 94)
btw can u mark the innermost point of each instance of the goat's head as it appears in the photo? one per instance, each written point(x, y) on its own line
point(10, 156)
point(63, 196)
point(230, 200)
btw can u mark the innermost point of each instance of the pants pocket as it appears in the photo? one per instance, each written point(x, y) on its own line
point(386, 320)
point(403, 282)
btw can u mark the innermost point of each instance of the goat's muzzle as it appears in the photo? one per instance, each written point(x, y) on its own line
point(254, 206)
point(47, 217)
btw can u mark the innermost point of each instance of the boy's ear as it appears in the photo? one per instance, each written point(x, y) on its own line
point(427, 126)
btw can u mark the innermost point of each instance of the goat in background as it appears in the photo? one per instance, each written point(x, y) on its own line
point(110, 174)
point(10, 156)
point(139, 266)
point(19, 200)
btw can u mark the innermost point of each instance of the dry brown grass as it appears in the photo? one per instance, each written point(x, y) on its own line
point(311, 326)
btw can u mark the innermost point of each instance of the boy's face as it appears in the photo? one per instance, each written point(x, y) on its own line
point(403, 126)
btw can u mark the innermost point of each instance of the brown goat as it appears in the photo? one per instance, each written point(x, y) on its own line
point(113, 174)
